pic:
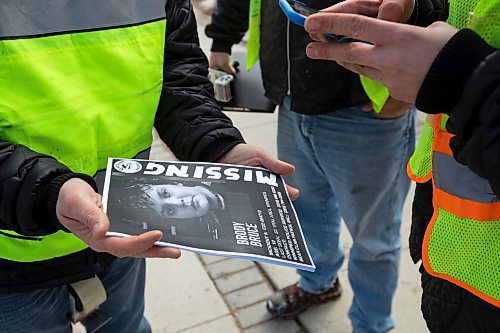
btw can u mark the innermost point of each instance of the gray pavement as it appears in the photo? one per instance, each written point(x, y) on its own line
point(211, 294)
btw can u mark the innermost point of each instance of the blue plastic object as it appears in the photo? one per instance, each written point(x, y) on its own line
point(297, 12)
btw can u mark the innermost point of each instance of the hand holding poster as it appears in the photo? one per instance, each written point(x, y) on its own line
point(209, 208)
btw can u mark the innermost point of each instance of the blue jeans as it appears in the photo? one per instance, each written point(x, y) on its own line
point(351, 165)
point(47, 310)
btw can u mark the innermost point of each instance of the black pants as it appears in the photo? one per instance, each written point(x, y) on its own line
point(446, 307)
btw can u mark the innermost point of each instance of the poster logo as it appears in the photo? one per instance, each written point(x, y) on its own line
point(127, 166)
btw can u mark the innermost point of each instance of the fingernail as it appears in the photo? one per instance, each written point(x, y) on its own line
point(312, 24)
point(311, 51)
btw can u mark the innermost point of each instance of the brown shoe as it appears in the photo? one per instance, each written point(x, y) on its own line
point(292, 300)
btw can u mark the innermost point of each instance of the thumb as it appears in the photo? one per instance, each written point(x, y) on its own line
point(360, 7)
point(275, 165)
point(396, 10)
point(79, 208)
point(93, 218)
point(84, 218)
point(391, 11)
point(228, 68)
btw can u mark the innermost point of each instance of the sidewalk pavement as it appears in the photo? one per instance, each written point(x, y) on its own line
point(205, 294)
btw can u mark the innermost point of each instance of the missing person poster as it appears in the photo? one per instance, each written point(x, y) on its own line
point(209, 208)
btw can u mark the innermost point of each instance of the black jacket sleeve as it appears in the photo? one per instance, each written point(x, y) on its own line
point(188, 118)
point(229, 24)
point(464, 82)
point(29, 188)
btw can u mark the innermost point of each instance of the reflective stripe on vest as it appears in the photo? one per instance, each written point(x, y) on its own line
point(462, 241)
point(82, 81)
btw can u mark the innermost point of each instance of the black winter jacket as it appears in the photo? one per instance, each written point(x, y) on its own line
point(316, 86)
point(188, 119)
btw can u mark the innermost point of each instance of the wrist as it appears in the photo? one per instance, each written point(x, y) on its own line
point(219, 45)
point(52, 195)
point(448, 74)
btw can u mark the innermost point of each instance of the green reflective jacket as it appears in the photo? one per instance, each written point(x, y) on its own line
point(83, 83)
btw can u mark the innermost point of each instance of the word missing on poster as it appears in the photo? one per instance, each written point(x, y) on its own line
point(211, 172)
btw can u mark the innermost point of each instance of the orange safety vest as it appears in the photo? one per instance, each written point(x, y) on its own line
point(462, 242)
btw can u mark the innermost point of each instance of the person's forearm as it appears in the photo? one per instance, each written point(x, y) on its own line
point(444, 83)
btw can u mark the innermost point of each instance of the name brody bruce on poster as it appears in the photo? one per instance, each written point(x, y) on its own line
point(247, 234)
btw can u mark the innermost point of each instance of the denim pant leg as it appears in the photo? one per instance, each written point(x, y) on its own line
point(371, 190)
point(47, 310)
point(40, 311)
point(317, 207)
point(124, 282)
point(362, 159)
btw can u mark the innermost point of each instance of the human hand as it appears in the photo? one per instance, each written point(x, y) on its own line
point(79, 209)
point(391, 109)
point(221, 61)
point(245, 154)
point(398, 58)
point(389, 10)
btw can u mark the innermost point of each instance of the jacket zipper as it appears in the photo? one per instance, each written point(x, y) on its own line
point(289, 92)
